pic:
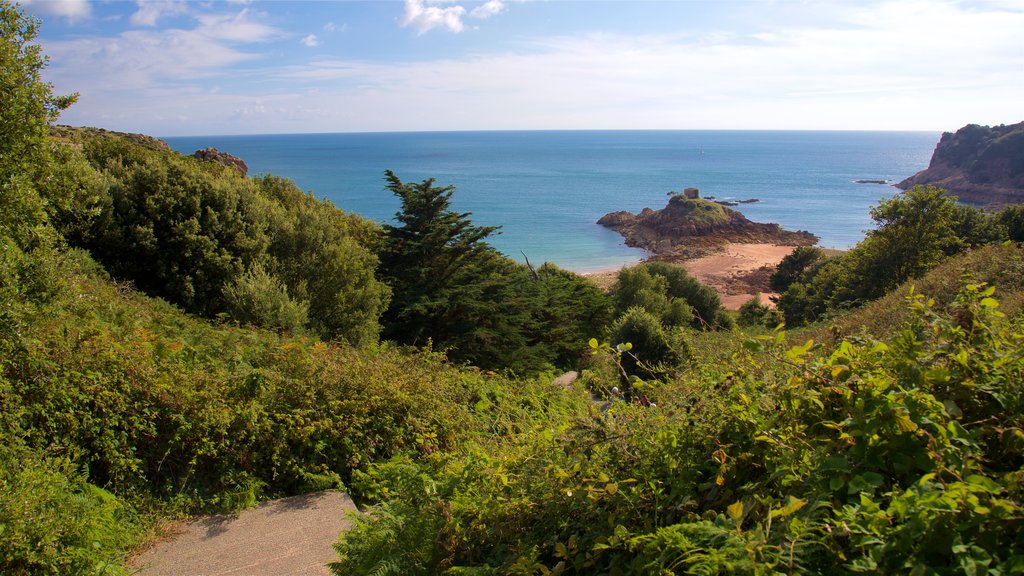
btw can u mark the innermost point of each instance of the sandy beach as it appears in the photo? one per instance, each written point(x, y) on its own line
point(738, 273)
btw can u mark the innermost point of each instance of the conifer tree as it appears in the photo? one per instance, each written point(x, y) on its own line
point(428, 260)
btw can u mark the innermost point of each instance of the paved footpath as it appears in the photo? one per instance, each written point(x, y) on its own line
point(287, 537)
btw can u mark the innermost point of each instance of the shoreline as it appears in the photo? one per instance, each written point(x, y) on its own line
point(737, 273)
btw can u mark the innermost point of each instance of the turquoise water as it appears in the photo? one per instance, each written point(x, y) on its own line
point(547, 189)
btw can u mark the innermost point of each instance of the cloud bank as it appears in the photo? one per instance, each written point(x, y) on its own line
point(872, 67)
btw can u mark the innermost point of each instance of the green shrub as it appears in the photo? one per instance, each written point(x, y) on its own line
point(259, 299)
point(53, 522)
point(754, 313)
point(669, 293)
point(795, 267)
point(876, 457)
point(655, 353)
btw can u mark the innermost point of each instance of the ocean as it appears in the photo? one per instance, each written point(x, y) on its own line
point(546, 189)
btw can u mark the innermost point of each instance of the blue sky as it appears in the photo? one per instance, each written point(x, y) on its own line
point(173, 67)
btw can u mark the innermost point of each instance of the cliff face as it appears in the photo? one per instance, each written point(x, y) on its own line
point(978, 164)
point(689, 228)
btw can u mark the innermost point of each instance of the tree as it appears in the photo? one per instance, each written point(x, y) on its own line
point(915, 231)
point(426, 260)
point(27, 107)
point(454, 290)
point(795, 266)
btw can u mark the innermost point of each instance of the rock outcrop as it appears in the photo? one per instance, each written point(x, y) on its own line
point(690, 228)
point(214, 155)
point(978, 164)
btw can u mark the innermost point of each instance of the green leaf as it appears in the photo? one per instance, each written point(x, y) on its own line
point(983, 482)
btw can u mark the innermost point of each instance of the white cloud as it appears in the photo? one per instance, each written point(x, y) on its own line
point(889, 65)
point(73, 10)
point(874, 69)
point(425, 16)
point(150, 11)
point(310, 41)
point(330, 27)
point(488, 9)
point(238, 27)
point(141, 62)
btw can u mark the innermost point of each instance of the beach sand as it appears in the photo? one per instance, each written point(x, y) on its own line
point(738, 273)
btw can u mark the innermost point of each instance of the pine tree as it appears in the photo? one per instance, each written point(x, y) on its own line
point(429, 259)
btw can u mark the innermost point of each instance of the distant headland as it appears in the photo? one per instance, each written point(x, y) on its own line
point(978, 164)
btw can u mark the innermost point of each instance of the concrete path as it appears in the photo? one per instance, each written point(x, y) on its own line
point(287, 537)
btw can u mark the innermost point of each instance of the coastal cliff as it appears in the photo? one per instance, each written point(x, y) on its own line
point(694, 227)
point(978, 164)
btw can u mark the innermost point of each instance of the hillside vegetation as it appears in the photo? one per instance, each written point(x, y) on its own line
point(177, 339)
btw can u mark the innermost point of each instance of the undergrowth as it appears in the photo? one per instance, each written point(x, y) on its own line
point(877, 457)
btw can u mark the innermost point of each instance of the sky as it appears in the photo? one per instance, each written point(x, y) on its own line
point(173, 67)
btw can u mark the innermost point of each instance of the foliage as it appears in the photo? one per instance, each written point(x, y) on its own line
point(654, 352)
point(259, 299)
point(1012, 217)
point(916, 231)
point(188, 231)
point(999, 265)
point(754, 313)
point(27, 106)
point(973, 227)
point(161, 405)
point(674, 297)
point(455, 291)
point(795, 267)
point(873, 457)
point(53, 521)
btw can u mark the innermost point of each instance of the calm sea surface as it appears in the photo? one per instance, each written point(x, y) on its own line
point(547, 189)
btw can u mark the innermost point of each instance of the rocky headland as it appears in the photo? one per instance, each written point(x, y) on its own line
point(691, 227)
point(978, 164)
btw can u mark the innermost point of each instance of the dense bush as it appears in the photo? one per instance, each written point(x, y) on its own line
point(915, 231)
point(674, 297)
point(896, 457)
point(654, 351)
point(189, 231)
point(156, 404)
point(754, 313)
point(54, 522)
point(795, 267)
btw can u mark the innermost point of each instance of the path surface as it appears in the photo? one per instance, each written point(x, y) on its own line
point(287, 537)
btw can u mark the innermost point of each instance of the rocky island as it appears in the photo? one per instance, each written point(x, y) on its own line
point(978, 164)
point(691, 227)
